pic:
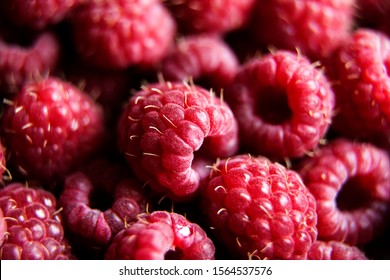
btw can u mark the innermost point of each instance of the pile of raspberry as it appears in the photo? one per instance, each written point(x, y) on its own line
point(195, 129)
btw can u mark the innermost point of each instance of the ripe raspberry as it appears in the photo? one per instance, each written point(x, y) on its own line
point(210, 16)
point(51, 128)
point(163, 126)
point(207, 60)
point(20, 64)
point(37, 14)
point(161, 235)
point(315, 27)
point(34, 229)
point(362, 87)
point(260, 209)
point(95, 226)
point(283, 105)
point(351, 184)
point(334, 250)
point(119, 33)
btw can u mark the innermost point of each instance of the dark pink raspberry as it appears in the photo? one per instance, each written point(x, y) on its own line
point(316, 28)
point(334, 250)
point(37, 14)
point(97, 226)
point(283, 105)
point(362, 87)
point(120, 33)
point(34, 229)
point(20, 64)
point(260, 209)
point(162, 128)
point(210, 16)
point(161, 235)
point(50, 128)
point(351, 184)
point(207, 60)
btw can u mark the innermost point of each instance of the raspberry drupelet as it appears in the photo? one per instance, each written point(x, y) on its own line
point(283, 105)
point(50, 128)
point(21, 64)
point(207, 60)
point(162, 128)
point(316, 28)
point(120, 33)
point(259, 209)
point(351, 185)
point(161, 235)
point(361, 84)
point(34, 228)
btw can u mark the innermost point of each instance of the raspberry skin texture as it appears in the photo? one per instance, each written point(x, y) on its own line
point(351, 184)
point(362, 87)
point(37, 14)
point(283, 105)
point(316, 28)
point(118, 34)
point(205, 59)
point(210, 16)
point(51, 128)
point(334, 250)
point(161, 128)
point(161, 235)
point(34, 228)
point(94, 225)
point(260, 209)
point(21, 64)
point(3, 228)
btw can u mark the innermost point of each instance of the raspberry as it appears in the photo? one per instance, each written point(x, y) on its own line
point(34, 229)
point(260, 209)
point(334, 250)
point(210, 16)
point(50, 128)
point(283, 105)
point(20, 64)
point(93, 225)
point(3, 228)
point(362, 85)
point(119, 33)
point(37, 14)
point(207, 60)
point(351, 184)
point(161, 235)
point(163, 126)
point(314, 27)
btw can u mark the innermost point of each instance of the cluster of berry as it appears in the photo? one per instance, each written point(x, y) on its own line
point(195, 129)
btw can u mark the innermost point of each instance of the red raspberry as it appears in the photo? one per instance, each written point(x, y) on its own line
point(210, 16)
point(163, 126)
point(93, 225)
point(283, 105)
point(207, 60)
point(351, 184)
point(362, 87)
point(50, 128)
point(37, 14)
point(161, 235)
point(34, 229)
point(21, 64)
point(334, 250)
point(260, 209)
point(120, 33)
point(315, 27)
